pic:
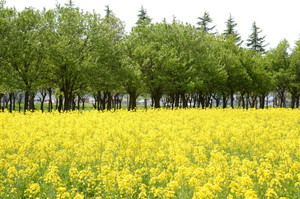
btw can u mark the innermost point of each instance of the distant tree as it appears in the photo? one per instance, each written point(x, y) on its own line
point(294, 71)
point(204, 23)
point(105, 59)
point(236, 74)
point(108, 11)
point(143, 18)
point(132, 80)
point(230, 30)
point(68, 50)
point(279, 61)
point(24, 55)
point(255, 41)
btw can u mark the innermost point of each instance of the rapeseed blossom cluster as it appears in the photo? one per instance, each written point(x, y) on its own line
point(193, 153)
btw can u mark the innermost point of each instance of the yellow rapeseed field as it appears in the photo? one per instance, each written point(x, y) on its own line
point(192, 153)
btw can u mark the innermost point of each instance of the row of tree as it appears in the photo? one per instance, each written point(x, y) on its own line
point(70, 54)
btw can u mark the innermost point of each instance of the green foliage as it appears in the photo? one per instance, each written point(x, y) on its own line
point(204, 23)
point(76, 53)
point(230, 30)
point(143, 18)
point(294, 70)
point(256, 42)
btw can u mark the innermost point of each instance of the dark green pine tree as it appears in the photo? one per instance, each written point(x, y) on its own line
point(230, 30)
point(70, 4)
point(108, 11)
point(256, 42)
point(144, 19)
point(204, 23)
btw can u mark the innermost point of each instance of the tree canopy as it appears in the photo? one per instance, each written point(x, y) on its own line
point(65, 55)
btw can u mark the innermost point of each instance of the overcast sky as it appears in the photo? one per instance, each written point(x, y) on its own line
point(278, 19)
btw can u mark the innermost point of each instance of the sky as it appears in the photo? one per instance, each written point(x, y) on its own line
point(278, 19)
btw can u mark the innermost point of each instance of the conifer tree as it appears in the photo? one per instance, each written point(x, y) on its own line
point(204, 23)
point(144, 19)
point(256, 42)
point(230, 30)
point(108, 11)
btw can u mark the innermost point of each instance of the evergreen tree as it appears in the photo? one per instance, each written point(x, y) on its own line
point(204, 23)
point(108, 11)
point(230, 30)
point(256, 42)
point(144, 19)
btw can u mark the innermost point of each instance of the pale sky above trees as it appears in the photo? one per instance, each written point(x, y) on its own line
point(278, 19)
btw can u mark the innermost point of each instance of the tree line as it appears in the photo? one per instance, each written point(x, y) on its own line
point(70, 54)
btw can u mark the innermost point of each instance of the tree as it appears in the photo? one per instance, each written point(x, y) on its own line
point(294, 71)
point(236, 73)
point(25, 52)
point(143, 18)
point(279, 61)
point(211, 76)
point(256, 42)
point(180, 43)
point(131, 71)
point(105, 59)
point(230, 30)
point(204, 23)
point(67, 52)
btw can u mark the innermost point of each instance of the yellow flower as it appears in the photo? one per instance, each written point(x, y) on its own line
point(150, 154)
point(34, 188)
point(65, 195)
point(271, 193)
point(250, 194)
point(79, 196)
point(61, 190)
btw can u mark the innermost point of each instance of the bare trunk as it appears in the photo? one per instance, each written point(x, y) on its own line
point(232, 98)
point(10, 102)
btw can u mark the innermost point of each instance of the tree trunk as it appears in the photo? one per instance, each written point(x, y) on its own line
point(26, 101)
point(232, 98)
point(201, 100)
point(224, 101)
point(176, 100)
point(109, 100)
point(120, 103)
point(208, 102)
point(145, 103)
point(43, 93)
point(67, 104)
point(217, 102)
point(19, 104)
point(293, 103)
point(1, 96)
point(253, 101)
point(31, 102)
point(68, 100)
point(156, 95)
point(103, 101)
point(132, 100)
point(6, 99)
point(50, 100)
point(247, 101)
point(243, 100)
point(184, 101)
point(262, 101)
point(60, 103)
point(10, 102)
point(297, 101)
point(78, 102)
point(14, 101)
